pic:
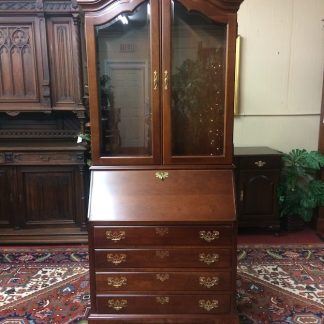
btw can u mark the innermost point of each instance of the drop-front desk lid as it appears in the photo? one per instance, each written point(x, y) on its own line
point(166, 196)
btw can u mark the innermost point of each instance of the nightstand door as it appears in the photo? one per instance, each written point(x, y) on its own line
point(257, 196)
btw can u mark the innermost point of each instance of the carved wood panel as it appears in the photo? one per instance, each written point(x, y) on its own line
point(17, 63)
point(65, 62)
point(24, 75)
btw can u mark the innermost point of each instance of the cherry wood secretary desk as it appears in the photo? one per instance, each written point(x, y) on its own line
point(162, 216)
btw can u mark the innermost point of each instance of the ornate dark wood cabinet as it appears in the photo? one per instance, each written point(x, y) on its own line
point(41, 113)
point(162, 217)
point(257, 176)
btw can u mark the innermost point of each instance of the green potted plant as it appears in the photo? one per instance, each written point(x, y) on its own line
point(299, 191)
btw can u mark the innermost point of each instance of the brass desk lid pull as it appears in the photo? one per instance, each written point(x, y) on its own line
point(162, 175)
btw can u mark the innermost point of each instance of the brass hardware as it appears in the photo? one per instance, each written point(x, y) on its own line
point(117, 304)
point(116, 258)
point(161, 231)
point(162, 254)
point(208, 281)
point(241, 195)
point(163, 277)
point(260, 163)
point(117, 282)
point(209, 236)
point(237, 77)
point(166, 80)
point(162, 300)
point(162, 175)
point(115, 236)
point(208, 258)
point(155, 80)
point(208, 305)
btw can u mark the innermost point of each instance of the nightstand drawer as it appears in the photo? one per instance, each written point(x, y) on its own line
point(163, 281)
point(259, 162)
point(116, 236)
point(163, 304)
point(163, 258)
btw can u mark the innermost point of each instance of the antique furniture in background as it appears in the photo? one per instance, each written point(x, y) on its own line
point(162, 216)
point(257, 176)
point(41, 113)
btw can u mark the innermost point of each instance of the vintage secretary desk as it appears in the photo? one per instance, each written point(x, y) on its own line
point(162, 217)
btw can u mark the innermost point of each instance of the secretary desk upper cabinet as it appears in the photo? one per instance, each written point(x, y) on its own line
point(162, 218)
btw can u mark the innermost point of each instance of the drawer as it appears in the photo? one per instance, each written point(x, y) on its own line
point(163, 281)
point(116, 236)
point(162, 258)
point(163, 304)
point(260, 162)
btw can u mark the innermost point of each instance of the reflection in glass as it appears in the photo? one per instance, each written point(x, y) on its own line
point(123, 58)
point(198, 84)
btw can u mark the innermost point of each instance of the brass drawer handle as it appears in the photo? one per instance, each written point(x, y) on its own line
point(161, 231)
point(208, 258)
point(115, 236)
point(116, 258)
point(260, 163)
point(117, 282)
point(117, 304)
point(209, 282)
point(208, 305)
point(163, 277)
point(162, 254)
point(209, 236)
point(162, 300)
point(162, 175)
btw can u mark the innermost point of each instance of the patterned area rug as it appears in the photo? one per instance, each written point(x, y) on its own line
point(43, 285)
point(50, 285)
point(281, 285)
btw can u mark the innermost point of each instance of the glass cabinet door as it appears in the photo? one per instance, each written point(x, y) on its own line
point(194, 104)
point(157, 78)
point(127, 72)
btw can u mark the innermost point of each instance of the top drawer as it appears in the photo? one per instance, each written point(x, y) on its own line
point(117, 236)
point(259, 162)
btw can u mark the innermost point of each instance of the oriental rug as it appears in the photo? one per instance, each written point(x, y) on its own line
point(50, 285)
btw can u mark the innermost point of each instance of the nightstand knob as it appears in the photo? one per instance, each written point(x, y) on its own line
point(260, 163)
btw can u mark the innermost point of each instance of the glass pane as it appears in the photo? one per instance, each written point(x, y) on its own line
point(123, 56)
point(198, 84)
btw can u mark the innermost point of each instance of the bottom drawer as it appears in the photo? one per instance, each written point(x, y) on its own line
point(163, 304)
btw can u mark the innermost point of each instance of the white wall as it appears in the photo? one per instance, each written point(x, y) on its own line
point(282, 64)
